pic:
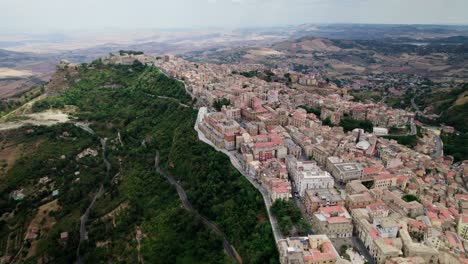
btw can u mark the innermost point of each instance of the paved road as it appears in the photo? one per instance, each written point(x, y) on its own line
point(362, 249)
point(414, 130)
point(416, 107)
point(85, 216)
point(167, 97)
point(230, 250)
point(235, 162)
point(439, 151)
point(172, 98)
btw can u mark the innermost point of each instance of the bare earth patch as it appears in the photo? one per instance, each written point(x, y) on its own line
point(42, 221)
point(264, 52)
point(462, 99)
point(47, 118)
point(8, 73)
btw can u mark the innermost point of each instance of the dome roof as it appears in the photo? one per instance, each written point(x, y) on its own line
point(363, 145)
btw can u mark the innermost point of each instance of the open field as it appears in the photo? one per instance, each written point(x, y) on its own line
point(9, 73)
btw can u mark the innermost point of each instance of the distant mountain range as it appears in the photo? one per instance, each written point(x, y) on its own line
point(356, 46)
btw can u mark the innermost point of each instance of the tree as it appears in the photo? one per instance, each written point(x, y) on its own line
point(219, 103)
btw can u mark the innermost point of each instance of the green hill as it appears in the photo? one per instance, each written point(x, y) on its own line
point(123, 100)
point(457, 113)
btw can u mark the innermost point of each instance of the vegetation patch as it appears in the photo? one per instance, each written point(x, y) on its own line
point(407, 140)
point(455, 144)
point(409, 198)
point(349, 124)
point(289, 218)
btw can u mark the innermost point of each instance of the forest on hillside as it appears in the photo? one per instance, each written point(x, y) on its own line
point(121, 103)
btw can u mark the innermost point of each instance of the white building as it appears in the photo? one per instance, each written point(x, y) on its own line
point(307, 175)
point(380, 131)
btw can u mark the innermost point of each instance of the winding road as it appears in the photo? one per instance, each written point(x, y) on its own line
point(85, 216)
point(230, 250)
point(416, 107)
point(439, 145)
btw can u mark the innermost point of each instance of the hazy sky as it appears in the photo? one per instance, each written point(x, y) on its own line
point(58, 15)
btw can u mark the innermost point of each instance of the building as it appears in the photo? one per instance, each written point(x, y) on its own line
point(279, 189)
point(220, 130)
point(379, 235)
point(380, 131)
point(293, 149)
point(409, 260)
point(313, 249)
point(384, 250)
point(355, 187)
point(18, 195)
point(360, 200)
point(231, 112)
point(413, 249)
point(417, 228)
point(378, 210)
point(319, 154)
point(264, 147)
point(316, 198)
point(462, 227)
point(307, 175)
point(412, 209)
point(298, 118)
point(385, 181)
point(346, 172)
point(454, 243)
point(334, 221)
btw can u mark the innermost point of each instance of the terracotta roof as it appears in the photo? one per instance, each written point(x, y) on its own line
point(371, 170)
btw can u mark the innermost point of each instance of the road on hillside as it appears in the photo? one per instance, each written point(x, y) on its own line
point(439, 151)
point(186, 89)
point(85, 216)
point(415, 106)
point(230, 250)
point(235, 162)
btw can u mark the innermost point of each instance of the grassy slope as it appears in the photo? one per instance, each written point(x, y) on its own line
point(451, 105)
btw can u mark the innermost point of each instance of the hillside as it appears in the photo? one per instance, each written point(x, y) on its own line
point(343, 58)
point(456, 113)
point(450, 103)
point(21, 71)
point(138, 214)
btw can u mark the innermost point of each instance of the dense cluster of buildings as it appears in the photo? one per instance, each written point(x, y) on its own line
point(405, 206)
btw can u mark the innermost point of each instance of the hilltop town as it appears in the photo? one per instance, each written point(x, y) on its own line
point(314, 176)
point(357, 183)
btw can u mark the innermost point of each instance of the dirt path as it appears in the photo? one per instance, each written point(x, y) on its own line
point(22, 109)
point(138, 237)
